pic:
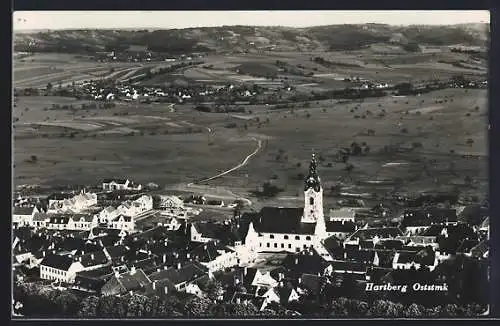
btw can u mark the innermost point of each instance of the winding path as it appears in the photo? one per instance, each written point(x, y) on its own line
point(242, 164)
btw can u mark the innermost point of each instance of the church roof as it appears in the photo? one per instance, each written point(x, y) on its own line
point(312, 179)
point(283, 220)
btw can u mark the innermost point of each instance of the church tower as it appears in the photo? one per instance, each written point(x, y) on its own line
point(313, 196)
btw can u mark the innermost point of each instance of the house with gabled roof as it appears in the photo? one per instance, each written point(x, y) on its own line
point(82, 222)
point(214, 257)
point(122, 283)
point(59, 268)
point(179, 277)
point(23, 215)
point(426, 257)
point(40, 220)
point(123, 222)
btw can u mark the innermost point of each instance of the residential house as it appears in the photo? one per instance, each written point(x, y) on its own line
point(179, 277)
point(119, 184)
point(282, 294)
point(59, 268)
point(340, 229)
point(108, 214)
point(82, 222)
point(131, 281)
point(40, 220)
point(214, 257)
point(123, 222)
point(209, 232)
point(416, 221)
point(171, 223)
point(93, 280)
point(375, 234)
point(23, 215)
point(74, 204)
point(297, 264)
point(343, 214)
point(415, 260)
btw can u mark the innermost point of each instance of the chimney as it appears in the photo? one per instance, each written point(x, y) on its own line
point(179, 265)
point(154, 285)
point(165, 267)
point(43, 253)
point(166, 290)
point(238, 301)
point(245, 271)
point(188, 255)
point(300, 280)
point(164, 258)
point(296, 260)
point(281, 276)
point(80, 258)
point(92, 256)
point(132, 270)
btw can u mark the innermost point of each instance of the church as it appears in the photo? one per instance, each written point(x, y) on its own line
point(277, 229)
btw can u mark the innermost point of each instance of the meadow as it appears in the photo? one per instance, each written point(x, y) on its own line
point(431, 141)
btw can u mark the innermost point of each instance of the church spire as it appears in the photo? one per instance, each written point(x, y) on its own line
point(312, 179)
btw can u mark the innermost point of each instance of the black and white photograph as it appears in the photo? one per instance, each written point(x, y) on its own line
point(250, 165)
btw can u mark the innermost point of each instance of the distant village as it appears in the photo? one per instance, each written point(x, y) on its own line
point(123, 241)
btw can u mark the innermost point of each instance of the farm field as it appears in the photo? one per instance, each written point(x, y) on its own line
point(430, 134)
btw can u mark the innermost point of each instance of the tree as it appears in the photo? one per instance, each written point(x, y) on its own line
point(88, 307)
point(48, 87)
point(198, 307)
point(414, 310)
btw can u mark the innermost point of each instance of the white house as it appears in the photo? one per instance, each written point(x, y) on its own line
point(171, 223)
point(120, 184)
point(171, 202)
point(23, 216)
point(343, 214)
point(39, 220)
point(59, 268)
point(123, 222)
point(75, 204)
point(82, 222)
point(107, 214)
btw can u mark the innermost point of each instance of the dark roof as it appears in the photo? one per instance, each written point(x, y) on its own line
point(104, 272)
point(133, 280)
point(360, 255)
point(119, 181)
point(366, 244)
point(344, 227)
point(428, 216)
point(342, 265)
point(425, 257)
point(467, 245)
point(59, 219)
point(23, 210)
point(300, 264)
point(311, 282)
point(117, 251)
point(389, 244)
point(57, 262)
point(217, 231)
point(283, 220)
point(93, 259)
point(187, 273)
point(206, 252)
point(382, 233)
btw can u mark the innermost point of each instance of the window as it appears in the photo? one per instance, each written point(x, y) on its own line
point(271, 236)
point(297, 237)
point(275, 245)
point(268, 245)
point(308, 238)
point(297, 249)
point(282, 245)
point(289, 246)
point(305, 246)
point(285, 237)
point(311, 201)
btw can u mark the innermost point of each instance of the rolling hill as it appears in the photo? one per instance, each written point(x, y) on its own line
point(239, 38)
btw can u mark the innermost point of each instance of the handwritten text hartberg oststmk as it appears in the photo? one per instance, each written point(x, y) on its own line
point(403, 288)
